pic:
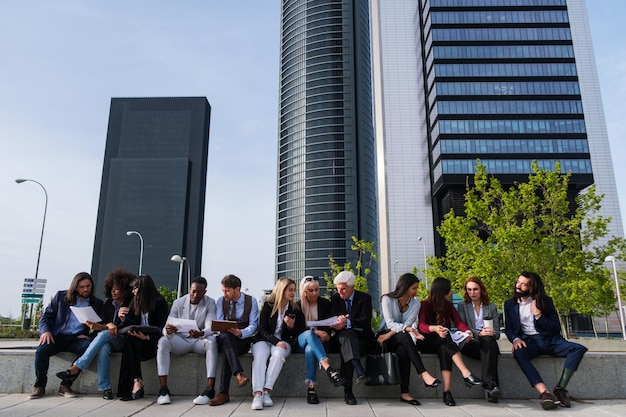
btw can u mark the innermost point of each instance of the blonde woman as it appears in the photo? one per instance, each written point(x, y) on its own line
point(280, 323)
point(311, 341)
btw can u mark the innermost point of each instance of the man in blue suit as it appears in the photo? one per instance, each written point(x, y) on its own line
point(60, 331)
point(532, 326)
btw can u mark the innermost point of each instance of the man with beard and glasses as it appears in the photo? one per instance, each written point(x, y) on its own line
point(532, 326)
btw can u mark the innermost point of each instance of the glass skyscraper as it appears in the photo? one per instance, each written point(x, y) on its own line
point(326, 152)
point(505, 81)
point(153, 182)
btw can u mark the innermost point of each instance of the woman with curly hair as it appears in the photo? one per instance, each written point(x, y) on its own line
point(118, 294)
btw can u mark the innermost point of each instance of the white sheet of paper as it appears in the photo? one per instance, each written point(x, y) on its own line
point(183, 325)
point(84, 314)
point(322, 323)
point(458, 336)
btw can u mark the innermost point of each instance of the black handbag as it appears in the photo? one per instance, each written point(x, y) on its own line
point(382, 367)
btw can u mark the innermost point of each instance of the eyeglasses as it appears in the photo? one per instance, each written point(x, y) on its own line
point(309, 279)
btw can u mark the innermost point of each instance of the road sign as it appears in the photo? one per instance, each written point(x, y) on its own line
point(31, 298)
point(35, 281)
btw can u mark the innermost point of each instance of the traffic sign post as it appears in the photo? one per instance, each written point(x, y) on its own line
point(32, 293)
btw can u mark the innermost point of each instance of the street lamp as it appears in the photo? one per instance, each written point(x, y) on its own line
point(181, 261)
point(25, 322)
point(132, 232)
point(420, 239)
point(611, 259)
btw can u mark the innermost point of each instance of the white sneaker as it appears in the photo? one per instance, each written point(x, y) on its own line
point(201, 400)
point(267, 400)
point(257, 402)
point(164, 399)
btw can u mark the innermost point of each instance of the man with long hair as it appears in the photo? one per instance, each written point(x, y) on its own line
point(532, 326)
point(60, 331)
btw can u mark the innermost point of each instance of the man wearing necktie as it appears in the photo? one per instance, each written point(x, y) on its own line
point(244, 309)
point(353, 330)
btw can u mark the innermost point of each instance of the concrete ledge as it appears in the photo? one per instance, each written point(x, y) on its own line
point(602, 375)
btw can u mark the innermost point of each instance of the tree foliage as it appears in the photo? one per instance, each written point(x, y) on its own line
point(531, 226)
point(365, 256)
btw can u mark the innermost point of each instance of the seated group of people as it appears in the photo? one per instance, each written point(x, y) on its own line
point(135, 322)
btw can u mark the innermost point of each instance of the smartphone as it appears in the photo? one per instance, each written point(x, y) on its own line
point(291, 316)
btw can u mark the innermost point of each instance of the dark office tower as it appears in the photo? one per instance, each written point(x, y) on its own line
point(153, 182)
point(506, 81)
point(326, 153)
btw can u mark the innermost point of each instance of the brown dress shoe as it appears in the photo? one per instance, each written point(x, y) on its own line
point(242, 379)
point(38, 392)
point(219, 399)
point(548, 401)
point(562, 395)
point(66, 391)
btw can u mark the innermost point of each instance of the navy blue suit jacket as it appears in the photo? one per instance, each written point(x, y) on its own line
point(547, 325)
point(54, 317)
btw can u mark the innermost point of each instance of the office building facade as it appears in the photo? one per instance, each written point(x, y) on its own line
point(326, 151)
point(153, 182)
point(505, 81)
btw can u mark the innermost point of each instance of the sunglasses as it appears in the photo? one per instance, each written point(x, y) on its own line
point(309, 279)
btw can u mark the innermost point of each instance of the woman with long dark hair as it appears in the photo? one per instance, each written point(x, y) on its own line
point(481, 316)
point(397, 330)
point(311, 341)
point(148, 310)
point(436, 314)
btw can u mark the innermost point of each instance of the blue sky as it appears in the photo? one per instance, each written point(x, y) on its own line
point(62, 62)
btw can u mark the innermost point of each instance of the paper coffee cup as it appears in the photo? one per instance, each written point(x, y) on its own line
point(488, 323)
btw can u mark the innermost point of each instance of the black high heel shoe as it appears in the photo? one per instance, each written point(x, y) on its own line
point(447, 398)
point(434, 384)
point(139, 393)
point(471, 380)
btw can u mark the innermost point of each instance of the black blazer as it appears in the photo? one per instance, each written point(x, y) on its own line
point(324, 311)
point(267, 326)
point(157, 317)
point(360, 316)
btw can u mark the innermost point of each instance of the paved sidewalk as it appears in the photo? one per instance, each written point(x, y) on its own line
point(18, 405)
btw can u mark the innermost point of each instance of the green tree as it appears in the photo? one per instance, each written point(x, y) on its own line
point(530, 226)
point(168, 294)
point(365, 256)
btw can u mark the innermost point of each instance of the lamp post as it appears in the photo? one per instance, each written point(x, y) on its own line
point(26, 322)
point(132, 232)
point(420, 239)
point(611, 259)
point(181, 261)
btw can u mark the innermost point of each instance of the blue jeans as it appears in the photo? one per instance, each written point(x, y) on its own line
point(311, 345)
point(62, 343)
point(101, 346)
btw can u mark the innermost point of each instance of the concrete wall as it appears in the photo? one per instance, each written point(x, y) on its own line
point(602, 375)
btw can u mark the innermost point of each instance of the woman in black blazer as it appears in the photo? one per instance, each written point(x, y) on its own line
point(147, 309)
point(312, 341)
point(280, 323)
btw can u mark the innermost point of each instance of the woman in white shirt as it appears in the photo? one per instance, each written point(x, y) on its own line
point(398, 330)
